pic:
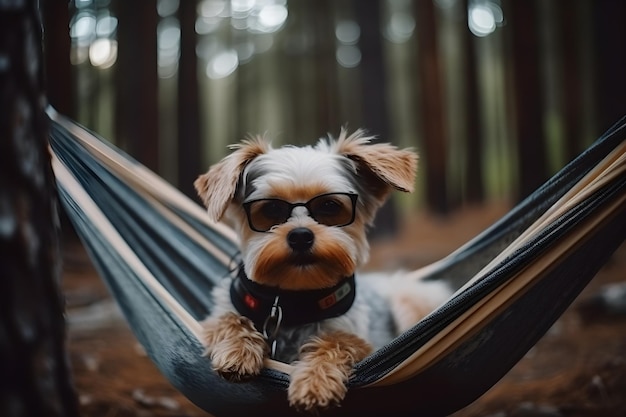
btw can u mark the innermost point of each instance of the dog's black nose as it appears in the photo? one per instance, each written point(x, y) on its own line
point(300, 239)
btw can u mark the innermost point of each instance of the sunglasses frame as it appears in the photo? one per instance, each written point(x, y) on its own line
point(353, 199)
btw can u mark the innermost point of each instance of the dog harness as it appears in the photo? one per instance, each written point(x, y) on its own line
point(270, 307)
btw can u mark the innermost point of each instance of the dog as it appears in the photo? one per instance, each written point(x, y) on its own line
point(302, 215)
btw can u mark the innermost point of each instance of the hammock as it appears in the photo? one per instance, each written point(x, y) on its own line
point(160, 257)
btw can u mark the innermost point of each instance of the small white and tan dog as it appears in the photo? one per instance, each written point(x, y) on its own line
point(301, 214)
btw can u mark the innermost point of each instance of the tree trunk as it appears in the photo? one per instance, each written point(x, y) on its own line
point(58, 68)
point(610, 60)
point(570, 41)
point(137, 81)
point(374, 97)
point(189, 148)
point(34, 374)
point(474, 181)
point(529, 104)
point(326, 68)
point(432, 95)
point(373, 77)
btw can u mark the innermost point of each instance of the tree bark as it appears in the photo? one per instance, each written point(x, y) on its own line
point(326, 68)
point(474, 181)
point(432, 95)
point(189, 147)
point(58, 68)
point(374, 98)
point(34, 374)
point(610, 60)
point(570, 41)
point(529, 103)
point(137, 81)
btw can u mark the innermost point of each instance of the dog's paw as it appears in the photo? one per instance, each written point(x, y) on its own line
point(315, 387)
point(320, 376)
point(234, 346)
point(238, 363)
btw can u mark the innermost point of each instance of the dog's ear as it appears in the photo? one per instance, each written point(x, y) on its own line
point(381, 165)
point(217, 187)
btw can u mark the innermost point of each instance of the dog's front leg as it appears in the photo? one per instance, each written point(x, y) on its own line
point(235, 347)
point(320, 375)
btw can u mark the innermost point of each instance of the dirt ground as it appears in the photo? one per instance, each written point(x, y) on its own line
point(578, 369)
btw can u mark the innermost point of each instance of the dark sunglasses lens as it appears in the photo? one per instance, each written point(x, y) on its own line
point(332, 209)
point(264, 214)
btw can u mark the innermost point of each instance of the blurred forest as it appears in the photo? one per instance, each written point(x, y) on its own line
point(496, 95)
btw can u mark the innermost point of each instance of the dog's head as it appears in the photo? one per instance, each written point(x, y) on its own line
point(302, 213)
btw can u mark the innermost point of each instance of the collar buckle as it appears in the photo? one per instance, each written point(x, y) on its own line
point(271, 325)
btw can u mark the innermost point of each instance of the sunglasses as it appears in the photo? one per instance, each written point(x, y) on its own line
point(332, 209)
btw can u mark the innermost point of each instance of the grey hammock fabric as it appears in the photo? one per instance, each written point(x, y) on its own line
point(160, 258)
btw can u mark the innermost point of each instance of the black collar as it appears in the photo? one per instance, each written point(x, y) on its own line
point(255, 301)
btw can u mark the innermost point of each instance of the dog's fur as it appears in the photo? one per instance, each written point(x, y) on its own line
point(323, 353)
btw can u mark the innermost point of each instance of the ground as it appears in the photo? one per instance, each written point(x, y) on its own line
point(578, 369)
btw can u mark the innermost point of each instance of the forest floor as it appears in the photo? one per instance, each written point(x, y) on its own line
point(578, 369)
